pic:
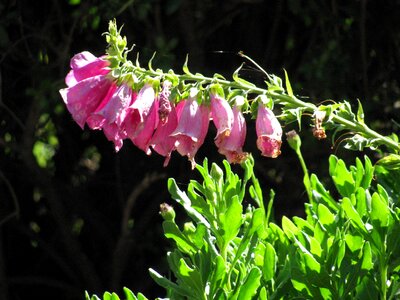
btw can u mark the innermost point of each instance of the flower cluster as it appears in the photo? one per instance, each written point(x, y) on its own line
point(145, 112)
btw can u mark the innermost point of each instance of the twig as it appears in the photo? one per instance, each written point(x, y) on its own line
point(124, 243)
point(14, 198)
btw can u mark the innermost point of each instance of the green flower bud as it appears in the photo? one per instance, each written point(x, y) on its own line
point(294, 140)
point(216, 173)
point(188, 227)
point(167, 212)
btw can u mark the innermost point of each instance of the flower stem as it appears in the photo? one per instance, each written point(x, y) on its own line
point(278, 97)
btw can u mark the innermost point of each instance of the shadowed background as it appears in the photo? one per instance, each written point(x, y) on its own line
point(76, 216)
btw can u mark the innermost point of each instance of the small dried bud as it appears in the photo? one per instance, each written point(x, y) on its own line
point(167, 212)
point(164, 104)
point(319, 133)
point(318, 130)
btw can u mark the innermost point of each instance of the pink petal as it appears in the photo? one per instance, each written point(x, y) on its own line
point(83, 98)
point(162, 142)
point(139, 110)
point(269, 132)
point(114, 109)
point(192, 129)
point(85, 65)
point(144, 134)
point(232, 145)
point(114, 134)
point(222, 116)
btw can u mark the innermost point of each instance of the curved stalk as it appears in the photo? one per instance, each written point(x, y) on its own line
point(278, 98)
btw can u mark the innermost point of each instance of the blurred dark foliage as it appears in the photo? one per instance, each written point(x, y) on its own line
point(76, 216)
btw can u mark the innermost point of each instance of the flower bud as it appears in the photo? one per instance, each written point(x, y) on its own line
point(293, 140)
point(318, 130)
point(167, 212)
point(216, 173)
point(189, 227)
point(165, 105)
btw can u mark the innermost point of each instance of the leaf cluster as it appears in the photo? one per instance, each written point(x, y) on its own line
point(345, 248)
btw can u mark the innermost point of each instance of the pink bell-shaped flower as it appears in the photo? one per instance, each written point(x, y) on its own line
point(111, 114)
point(85, 96)
point(85, 65)
point(222, 116)
point(231, 146)
point(162, 142)
point(269, 132)
point(142, 118)
point(193, 122)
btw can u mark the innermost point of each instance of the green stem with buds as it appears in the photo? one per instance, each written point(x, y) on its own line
point(123, 68)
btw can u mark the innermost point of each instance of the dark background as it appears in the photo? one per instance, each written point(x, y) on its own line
point(76, 216)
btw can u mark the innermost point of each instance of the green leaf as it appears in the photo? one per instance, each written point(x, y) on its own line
point(257, 220)
point(303, 225)
point(249, 288)
point(167, 284)
point(326, 217)
point(172, 231)
point(341, 253)
point(184, 200)
point(282, 281)
point(190, 276)
point(94, 297)
point(130, 296)
point(367, 289)
point(321, 195)
point(218, 274)
point(310, 263)
point(354, 242)
point(232, 220)
point(263, 294)
point(367, 263)
point(109, 296)
point(270, 260)
point(380, 212)
point(289, 227)
point(360, 113)
point(358, 172)
point(315, 247)
point(352, 214)
point(390, 162)
point(361, 202)
point(342, 178)
point(320, 233)
point(185, 66)
point(368, 173)
point(288, 85)
point(239, 80)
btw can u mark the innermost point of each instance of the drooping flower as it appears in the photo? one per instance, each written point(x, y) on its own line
point(85, 96)
point(193, 122)
point(231, 146)
point(269, 132)
point(222, 116)
point(87, 85)
point(85, 65)
point(162, 142)
point(142, 118)
point(111, 113)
